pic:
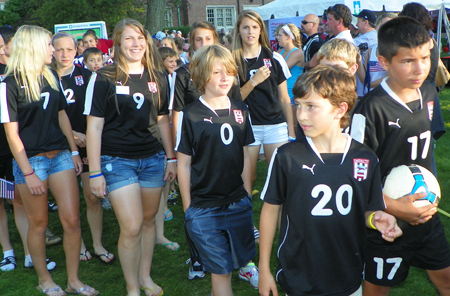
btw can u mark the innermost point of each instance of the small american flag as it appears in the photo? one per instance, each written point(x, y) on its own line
point(6, 189)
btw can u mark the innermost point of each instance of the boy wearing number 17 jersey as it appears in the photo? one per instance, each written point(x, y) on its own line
point(394, 119)
point(330, 191)
point(214, 169)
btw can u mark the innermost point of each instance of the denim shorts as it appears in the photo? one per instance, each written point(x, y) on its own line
point(120, 172)
point(270, 134)
point(223, 236)
point(44, 167)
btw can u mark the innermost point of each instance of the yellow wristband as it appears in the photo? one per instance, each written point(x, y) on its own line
point(369, 221)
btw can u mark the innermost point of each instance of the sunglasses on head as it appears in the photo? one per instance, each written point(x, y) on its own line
point(335, 10)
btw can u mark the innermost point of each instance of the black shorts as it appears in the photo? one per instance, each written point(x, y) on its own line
point(6, 167)
point(389, 265)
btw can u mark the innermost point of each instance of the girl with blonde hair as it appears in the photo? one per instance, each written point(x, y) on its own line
point(40, 136)
point(127, 112)
point(289, 38)
point(262, 76)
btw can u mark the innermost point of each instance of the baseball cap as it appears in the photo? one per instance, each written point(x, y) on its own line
point(367, 15)
point(160, 36)
point(174, 31)
point(179, 32)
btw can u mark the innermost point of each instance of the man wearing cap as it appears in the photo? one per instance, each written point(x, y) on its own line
point(366, 25)
point(310, 25)
point(159, 36)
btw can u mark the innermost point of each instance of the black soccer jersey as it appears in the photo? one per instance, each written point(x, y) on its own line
point(263, 101)
point(324, 198)
point(397, 134)
point(38, 121)
point(215, 140)
point(186, 93)
point(4, 147)
point(75, 85)
point(130, 111)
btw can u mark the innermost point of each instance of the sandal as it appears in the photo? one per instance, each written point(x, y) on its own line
point(168, 215)
point(107, 257)
point(87, 256)
point(256, 234)
point(86, 288)
point(51, 291)
point(154, 290)
point(171, 246)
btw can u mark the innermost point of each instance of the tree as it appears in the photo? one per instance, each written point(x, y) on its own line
point(155, 15)
point(17, 13)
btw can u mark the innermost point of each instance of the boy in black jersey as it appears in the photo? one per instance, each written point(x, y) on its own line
point(394, 119)
point(214, 169)
point(330, 191)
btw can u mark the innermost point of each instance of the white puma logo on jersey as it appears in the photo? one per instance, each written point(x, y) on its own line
point(208, 119)
point(311, 169)
point(395, 123)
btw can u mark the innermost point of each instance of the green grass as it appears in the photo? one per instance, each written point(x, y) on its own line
point(169, 269)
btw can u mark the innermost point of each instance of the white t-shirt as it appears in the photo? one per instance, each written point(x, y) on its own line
point(346, 35)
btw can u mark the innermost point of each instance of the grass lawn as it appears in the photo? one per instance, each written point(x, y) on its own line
point(169, 269)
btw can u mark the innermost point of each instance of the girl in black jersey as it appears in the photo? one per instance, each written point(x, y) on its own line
point(127, 110)
point(40, 136)
point(74, 81)
point(262, 75)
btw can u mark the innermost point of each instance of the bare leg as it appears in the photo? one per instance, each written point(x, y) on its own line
point(159, 221)
point(370, 289)
point(253, 151)
point(441, 280)
point(127, 205)
point(37, 213)
point(150, 203)
point(221, 284)
point(20, 217)
point(269, 149)
point(94, 213)
point(65, 190)
point(4, 232)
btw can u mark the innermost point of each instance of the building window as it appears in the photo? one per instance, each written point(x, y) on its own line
point(221, 16)
point(168, 21)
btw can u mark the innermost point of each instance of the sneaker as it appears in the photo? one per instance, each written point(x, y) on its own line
point(51, 265)
point(106, 204)
point(250, 273)
point(8, 263)
point(172, 198)
point(50, 238)
point(52, 207)
point(255, 192)
point(193, 273)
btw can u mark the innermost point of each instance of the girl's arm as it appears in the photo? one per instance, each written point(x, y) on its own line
point(285, 103)
point(166, 139)
point(66, 128)
point(94, 142)
point(184, 178)
point(296, 58)
point(246, 172)
point(33, 182)
point(267, 226)
point(174, 125)
point(385, 223)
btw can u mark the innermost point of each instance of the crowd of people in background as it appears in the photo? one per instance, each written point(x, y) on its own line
point(132, 114)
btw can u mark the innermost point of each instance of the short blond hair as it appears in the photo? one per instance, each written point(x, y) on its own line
point(338, 50)
point(203, 62)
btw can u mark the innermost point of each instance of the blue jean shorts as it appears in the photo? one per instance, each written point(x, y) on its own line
point(44, 167)
point(120, 172)
point(223, 236)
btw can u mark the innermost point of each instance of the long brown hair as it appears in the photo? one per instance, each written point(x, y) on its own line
point(237, 47)
point(203, 25)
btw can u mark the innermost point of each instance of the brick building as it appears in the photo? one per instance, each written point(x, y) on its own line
point(221, 13)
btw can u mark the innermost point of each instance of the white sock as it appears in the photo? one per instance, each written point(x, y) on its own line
point(8, 253)
point(28, 260)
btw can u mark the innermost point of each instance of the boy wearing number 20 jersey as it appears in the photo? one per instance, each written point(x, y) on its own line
point(394, 119)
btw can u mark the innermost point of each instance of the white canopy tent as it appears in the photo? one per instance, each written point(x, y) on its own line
point(291, 8)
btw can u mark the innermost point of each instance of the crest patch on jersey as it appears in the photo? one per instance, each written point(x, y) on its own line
point(79, 80)
point(152, 87)
point(430, 106)
point(238, 116)
point(360, 168)
point(267, 63)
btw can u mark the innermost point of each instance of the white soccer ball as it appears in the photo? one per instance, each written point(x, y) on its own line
point(409, 179)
